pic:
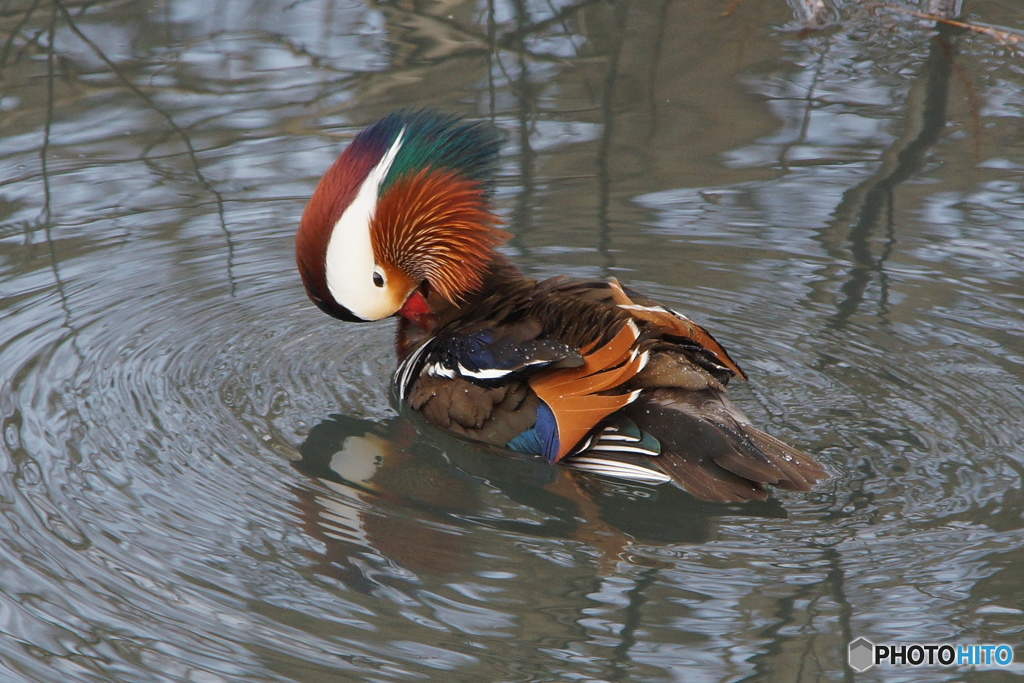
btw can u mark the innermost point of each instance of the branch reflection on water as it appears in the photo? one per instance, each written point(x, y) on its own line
point(870, 204)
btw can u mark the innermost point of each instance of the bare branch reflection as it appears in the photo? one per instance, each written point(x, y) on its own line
point(178, 131)
point(870, 204)
point(46, 215)
point(15, 32)
point(604, 176)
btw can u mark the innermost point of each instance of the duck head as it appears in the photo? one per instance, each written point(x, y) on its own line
point(405, 211)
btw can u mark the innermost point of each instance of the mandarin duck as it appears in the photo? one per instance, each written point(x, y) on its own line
point(584, 373)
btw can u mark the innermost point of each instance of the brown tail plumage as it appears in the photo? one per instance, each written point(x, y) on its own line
point(711, 450)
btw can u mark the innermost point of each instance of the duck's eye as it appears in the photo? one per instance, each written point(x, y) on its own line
point(378, 279)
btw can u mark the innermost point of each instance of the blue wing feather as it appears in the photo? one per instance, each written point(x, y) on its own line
point(487, 358)
point(541, 439)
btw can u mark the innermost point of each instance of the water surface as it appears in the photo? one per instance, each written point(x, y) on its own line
point(204, 478)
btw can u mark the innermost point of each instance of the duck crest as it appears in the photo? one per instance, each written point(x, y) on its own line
point(439, 141)
point(434, 219)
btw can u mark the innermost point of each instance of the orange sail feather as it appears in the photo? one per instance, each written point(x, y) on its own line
point(572, 393)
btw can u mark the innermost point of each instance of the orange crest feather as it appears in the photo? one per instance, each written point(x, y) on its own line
point(437, 226)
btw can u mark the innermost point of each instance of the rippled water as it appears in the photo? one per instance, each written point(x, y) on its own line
point(203, 478)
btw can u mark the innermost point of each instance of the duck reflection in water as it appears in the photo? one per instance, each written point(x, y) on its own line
point(385, 492)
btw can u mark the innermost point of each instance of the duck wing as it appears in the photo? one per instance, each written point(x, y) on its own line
point(682, 426)
point(472, 377)
point(604, 380)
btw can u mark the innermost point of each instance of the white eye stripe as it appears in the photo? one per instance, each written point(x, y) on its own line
point(351, 267)
point(380, 171)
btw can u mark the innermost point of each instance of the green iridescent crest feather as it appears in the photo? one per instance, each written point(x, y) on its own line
point(435, 140)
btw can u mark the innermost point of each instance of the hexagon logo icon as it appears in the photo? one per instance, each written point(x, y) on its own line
point(862, 654)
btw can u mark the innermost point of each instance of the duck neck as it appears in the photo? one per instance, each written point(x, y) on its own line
point(426, 310)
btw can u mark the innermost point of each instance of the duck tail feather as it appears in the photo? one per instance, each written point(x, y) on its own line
point(711, 450)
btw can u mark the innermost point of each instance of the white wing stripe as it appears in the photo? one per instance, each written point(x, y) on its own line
point(622, 470)
point(622, 448)
point(487, 373)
